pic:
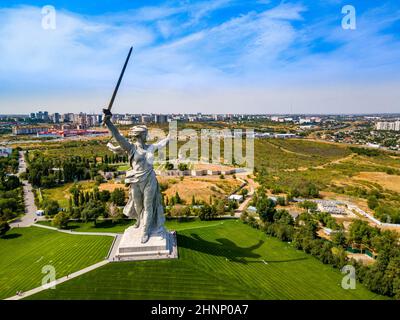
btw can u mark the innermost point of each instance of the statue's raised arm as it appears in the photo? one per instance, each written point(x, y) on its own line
point(122, 141)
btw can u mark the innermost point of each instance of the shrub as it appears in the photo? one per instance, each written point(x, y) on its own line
point(61, 220)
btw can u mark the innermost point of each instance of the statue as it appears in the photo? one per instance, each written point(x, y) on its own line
point(145, 203)
point(148, 238)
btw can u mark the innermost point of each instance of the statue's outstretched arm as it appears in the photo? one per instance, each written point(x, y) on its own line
point(122, 141)
point(162, 143)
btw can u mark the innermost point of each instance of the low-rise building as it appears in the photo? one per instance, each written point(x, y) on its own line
point(22, 130)
point(236, 197)
point(5, 152)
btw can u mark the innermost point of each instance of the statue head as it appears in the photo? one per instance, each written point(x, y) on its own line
point(138, 133)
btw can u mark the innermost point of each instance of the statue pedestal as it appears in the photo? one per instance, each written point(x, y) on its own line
point(158, 246)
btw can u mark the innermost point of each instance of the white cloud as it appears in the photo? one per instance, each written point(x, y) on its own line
point(175, 52)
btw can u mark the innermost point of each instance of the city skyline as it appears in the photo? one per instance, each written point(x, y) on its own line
point(268, 57)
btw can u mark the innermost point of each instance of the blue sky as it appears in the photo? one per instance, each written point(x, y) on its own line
point(222, 56)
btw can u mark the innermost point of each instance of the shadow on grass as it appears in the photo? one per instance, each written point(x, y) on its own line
point(223, 248)
point(226, 248)
point(109, 224)
point(11, 236)
point(105, 224)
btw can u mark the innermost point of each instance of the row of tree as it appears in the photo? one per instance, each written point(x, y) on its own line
point(47, 172)
point(86, 206)
point(11, 192)
point(382, 277)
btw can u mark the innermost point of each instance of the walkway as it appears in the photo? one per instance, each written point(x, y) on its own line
point(59, 281)
point(110, 234)
point(245, 203)
point(111, 255)
point(29, 217)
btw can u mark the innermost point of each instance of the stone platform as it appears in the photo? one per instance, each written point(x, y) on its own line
point(130, 247)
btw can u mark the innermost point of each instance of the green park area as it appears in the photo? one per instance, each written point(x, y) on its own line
point(25, 251)
point(217, 260)
point(101, 225)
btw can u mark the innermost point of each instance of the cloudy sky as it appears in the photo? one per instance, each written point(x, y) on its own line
point(217, 56)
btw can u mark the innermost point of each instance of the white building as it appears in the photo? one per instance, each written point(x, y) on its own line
point(236, 197)
point(388, 126)
point(5, 152)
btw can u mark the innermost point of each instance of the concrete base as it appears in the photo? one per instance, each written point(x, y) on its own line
point(159, 246)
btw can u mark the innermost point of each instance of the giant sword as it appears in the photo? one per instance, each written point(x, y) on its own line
point(108, 110)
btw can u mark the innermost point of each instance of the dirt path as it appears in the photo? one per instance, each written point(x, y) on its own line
point(322, 166)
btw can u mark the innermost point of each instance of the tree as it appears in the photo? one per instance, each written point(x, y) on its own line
point(114, 212)
point(308, 205)
point(93, 210)
point(360, 232)
point(104, 196)
point(266, 209)
point(75, 191)
point(180, 211)
point(12, 182)
point(206, 212)
point(81, 199)
point(51, 207)
point(283, 217)
point(177, 199)
point(372, 202)
point(169, 166)
point(61, 220)
point(339, 238)
point(220, 207)
point(4, 227)
point(99, 179)
point(182, 167)
point(281, 201)
point(118, 197)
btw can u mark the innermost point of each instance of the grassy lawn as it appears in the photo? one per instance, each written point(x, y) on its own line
point(24, 251)
point(216, 261)
point(124, 167)
point(62, 194)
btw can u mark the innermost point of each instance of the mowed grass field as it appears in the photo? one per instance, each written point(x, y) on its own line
point(217, 260)
point(24, 252)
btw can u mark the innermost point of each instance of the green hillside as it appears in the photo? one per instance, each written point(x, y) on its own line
point(218, 261)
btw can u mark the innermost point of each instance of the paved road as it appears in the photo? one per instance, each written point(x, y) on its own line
point(30, 208)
